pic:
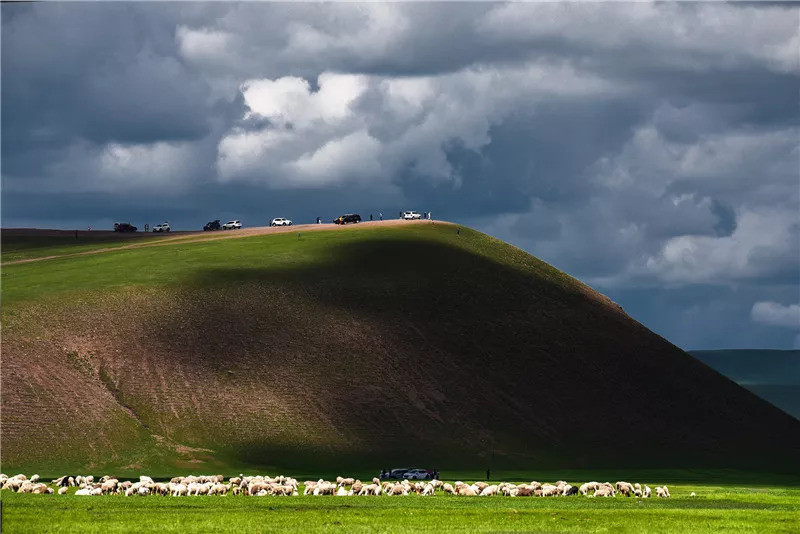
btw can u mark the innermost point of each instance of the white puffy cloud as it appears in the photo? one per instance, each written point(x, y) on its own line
point(762, 246)
point(289, 101)
point(776, 314)
point(388, 124)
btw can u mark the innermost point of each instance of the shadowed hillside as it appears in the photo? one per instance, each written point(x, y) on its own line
point(362, 347)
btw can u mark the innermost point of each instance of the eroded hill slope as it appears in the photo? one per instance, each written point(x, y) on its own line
point(363, 347)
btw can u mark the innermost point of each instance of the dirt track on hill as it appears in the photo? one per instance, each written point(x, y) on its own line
point(193, 237)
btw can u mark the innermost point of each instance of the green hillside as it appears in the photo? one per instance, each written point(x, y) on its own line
point(360, 347)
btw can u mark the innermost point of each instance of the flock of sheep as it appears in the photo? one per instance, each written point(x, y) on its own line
point(262, 485)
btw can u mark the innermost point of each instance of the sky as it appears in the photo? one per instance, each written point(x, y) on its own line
point(650, 150)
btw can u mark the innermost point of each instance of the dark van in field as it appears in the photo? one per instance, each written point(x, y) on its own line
point(349, 218)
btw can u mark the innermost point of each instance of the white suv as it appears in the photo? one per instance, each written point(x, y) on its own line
point(163, 227)
point(232, 225)
point(411, 215)
point(416, 474)
point(280, 221)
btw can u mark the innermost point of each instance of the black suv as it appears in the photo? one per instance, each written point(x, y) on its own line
point(213, 225)
point(349, 218)
point(124, 227)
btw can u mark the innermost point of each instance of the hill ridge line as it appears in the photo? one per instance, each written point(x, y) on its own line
point(201, 237)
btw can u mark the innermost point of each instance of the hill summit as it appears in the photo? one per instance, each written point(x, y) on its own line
point(369, 346)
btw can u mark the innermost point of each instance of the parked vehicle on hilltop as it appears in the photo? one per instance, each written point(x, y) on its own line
point(280, 221)
point(232, 225)
point(417, 474)
point(348, 218)
point(411, 215)
point(398, 473)
point(163, 227)
point(124, 227)
point(212, 225)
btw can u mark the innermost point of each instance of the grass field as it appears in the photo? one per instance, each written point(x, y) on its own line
point(716, 508)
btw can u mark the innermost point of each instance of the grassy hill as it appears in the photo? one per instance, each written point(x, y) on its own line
point(773, 375)
point(356, 347)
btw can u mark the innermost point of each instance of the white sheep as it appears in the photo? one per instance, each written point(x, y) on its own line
point(548, 490)
point(488, 491)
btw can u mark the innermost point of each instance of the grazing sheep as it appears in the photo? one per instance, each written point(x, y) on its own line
point(83, 491)
point(109, 485)
point(62, 490)
point(429, 489)
point(219, 489)
point(587, 487)
point(448, 488)
point(524, 491)
point(625, 488)
point(507, 489)
point(40, 489)
point(570, 490)
point(603, 491)
point(609, 487)
point(370, 489)
point(548, 490)
point(481, 486)
point(466, 491)
point(356, 487)
point(324, 488)
point(343, 492)
point(662, 492)
point(397, 489)
point(488, 491)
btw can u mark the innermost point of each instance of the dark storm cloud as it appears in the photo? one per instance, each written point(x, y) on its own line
point(657, 161)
